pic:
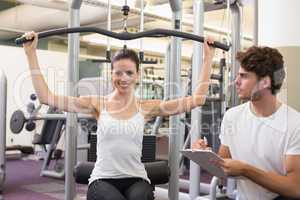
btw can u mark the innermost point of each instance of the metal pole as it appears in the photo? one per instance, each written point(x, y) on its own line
point(142, 53)
point(213, 188)
point(174, 124)
point(3, 96)
point(159, 119)
point(222, 83)
point(71, 125)
point(156, 125)
point(236, 46)
point(255, 24)
point(198, 5)
point(108, 23)
point(108, 50)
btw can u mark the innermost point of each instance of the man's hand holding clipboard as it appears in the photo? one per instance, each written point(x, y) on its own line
point(212, 162)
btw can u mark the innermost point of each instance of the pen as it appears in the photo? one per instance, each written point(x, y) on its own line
point(205, 140)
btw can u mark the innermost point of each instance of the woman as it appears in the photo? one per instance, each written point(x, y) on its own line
point(118, 173)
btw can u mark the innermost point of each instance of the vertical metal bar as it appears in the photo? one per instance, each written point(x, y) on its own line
point(108, 23)
point(174, 124)
point(213, 188)
point(108, 52)
point(156, 125)
point(228, 20)
point(167, 73)
point(142, 52)
point(198, 5)
point(236, 45)
point(3, 96)
point(73, 76)
point(213, 124)
point(222, 81)
point(159, 119)
point(255, 24)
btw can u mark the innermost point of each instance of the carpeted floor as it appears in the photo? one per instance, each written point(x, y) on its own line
point(23, 182)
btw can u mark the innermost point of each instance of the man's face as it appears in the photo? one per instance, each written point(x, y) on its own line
point(248, 85)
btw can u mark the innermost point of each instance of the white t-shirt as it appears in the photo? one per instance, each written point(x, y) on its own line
point(262, 142)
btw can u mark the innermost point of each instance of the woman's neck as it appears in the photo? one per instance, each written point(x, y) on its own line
point(123, 98)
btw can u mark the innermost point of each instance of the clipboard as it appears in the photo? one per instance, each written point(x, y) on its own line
point(204, 158)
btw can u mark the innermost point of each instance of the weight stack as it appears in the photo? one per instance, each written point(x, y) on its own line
point(92, 152)
point(149, 148)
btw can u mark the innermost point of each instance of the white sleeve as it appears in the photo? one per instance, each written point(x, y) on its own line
point(293, 146)
point(223, 133)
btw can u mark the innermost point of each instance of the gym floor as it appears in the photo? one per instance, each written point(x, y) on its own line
point(23, 181)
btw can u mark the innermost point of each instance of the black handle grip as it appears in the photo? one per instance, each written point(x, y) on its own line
point(22, 40)
point(44, 34)
point(220, 45)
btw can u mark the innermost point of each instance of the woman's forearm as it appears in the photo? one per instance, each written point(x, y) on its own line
point(201, 90)
point(39, 83)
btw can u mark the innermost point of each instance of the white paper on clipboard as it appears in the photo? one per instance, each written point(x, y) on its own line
point(204, 158)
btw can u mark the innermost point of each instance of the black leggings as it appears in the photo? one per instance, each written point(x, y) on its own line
point(120, 189)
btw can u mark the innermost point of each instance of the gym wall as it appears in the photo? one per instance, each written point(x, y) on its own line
point(14, 65)
point(280, 31)
point(290, 93)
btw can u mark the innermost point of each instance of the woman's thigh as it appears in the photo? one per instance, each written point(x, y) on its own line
point(140, 190)
point(103, 190)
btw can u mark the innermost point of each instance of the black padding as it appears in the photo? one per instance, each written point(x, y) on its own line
point(158, 172)
point(82, 172)
point(48, 130)
point(23, 149)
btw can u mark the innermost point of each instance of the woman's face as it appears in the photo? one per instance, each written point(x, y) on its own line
point(124, 75)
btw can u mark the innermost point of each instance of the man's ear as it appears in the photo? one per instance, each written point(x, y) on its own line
point(265, 83)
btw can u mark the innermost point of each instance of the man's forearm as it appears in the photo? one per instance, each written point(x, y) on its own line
point(282, 185)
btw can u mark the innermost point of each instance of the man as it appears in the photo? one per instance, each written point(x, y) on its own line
point(260, 139)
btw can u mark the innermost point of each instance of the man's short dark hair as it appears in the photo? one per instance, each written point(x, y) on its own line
point(126, 54)
point(264, 61)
